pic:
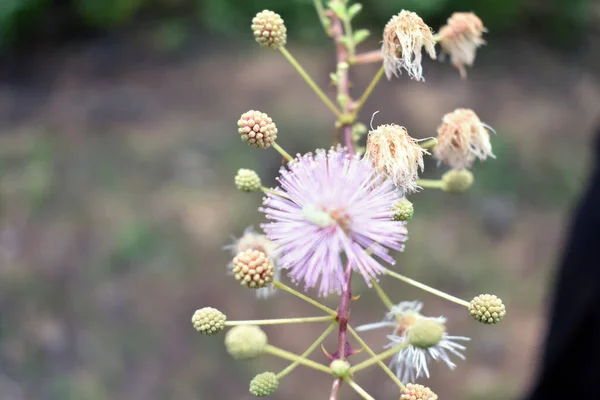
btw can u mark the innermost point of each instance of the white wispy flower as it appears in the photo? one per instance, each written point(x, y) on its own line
point(256, 241)
point(412, 362)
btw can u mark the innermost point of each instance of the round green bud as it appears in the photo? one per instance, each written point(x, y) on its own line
point(425, 332)
point(403, 210)
point(487, 308)
point(247, 180)
point(244, 342)
point(457, 181)
point(264, 384)
point(413, 391)
point(269, 29)
point(209, 321)
point(340, 368)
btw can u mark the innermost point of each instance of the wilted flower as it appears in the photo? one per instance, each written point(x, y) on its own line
point(332, 203)
point(403, 37)
point(462, 138)
point(460, 38)
point(406, 321)
point(252, 240)
point(397, 155)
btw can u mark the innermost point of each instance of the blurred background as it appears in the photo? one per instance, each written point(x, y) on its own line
point(118, 148)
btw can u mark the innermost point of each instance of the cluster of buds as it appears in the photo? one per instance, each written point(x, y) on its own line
point(338, 212)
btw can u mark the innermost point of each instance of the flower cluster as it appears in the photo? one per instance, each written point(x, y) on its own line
point(343, 211)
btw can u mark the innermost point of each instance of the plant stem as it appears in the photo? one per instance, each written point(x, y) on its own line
point(281, 321)
point(384, 297)
point(315, 303)
point(372, 354)
point(428, 143)
point(369, 90)
point(282, 152)
point(274, 192)
point(310, 81)
point(374, 56)
point(312, 347)
point(359, 390)
point(428, 288)
point(322, 17)
point(380, 357)
point(276, 351)
point(430, 183)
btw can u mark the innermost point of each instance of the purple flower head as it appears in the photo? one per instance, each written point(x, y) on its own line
point(332, 203)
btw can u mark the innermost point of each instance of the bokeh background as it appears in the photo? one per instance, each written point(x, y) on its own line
point(118, 147)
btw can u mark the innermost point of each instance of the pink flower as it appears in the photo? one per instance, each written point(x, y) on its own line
point(328, 204)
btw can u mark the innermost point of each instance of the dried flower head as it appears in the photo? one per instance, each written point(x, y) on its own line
point(426, 336)
point(264, 384)
point(487, 308)
point(417, 392)
point(252, 240)
point(253, 269)
point(462, 138)
point(403, 37)
point(209, 321)
point(403, 210)
point(269, 29)
point(460, 38)
point(457, 181)
point(327, 204)
point(257, 129)
point(244, 342)
point(397, 155)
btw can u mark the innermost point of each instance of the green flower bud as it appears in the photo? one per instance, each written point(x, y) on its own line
point(425, 332)
point(340, 368)
point(487, 308)
point(264, 384)
point(403, 210)
point(244, 342)
point(269, 29)
point(209, 321)
point(247, 180)
point(457, 181)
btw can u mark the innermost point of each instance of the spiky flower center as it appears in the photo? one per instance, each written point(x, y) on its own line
point(327, 217)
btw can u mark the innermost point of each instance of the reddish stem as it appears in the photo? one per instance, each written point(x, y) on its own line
point(374, 56)
point(343, 311)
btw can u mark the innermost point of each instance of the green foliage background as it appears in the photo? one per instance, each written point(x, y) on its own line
point(22, 19)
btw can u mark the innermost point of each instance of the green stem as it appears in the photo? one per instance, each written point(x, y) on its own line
point(430, 183)
point(368, 91)
point(274, 192)
point(359, 390)
point(379, 357)
point(282, 152)
point(312, 347)
point(310, 81)
point(428, 288)
point(428, 143)
point(350, 38)
point(379, 362)
point(281, 321)
point(276, 351)
point(322, 17)
point(382, 295)
point(315, 303)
